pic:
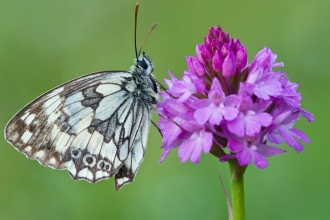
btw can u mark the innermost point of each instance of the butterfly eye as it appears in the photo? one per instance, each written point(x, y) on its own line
point(142, 64)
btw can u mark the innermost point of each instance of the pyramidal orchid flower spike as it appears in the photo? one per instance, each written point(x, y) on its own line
point(222, 102)
point(238, 112)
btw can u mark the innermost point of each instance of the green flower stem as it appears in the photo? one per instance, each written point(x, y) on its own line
point(237, 189)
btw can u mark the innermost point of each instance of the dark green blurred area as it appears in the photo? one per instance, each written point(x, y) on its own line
point(46, 43)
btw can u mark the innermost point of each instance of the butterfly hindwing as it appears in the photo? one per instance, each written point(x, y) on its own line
point(94, 126)
point(127, 172)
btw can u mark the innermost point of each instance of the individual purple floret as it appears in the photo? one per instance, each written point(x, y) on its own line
point(222, 102)
point(216, 107)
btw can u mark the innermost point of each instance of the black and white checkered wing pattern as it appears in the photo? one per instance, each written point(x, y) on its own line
point(94, 126)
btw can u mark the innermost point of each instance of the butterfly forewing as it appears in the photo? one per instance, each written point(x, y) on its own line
point(94, 126)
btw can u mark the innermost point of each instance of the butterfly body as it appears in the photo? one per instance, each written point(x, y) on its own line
point(95, 126)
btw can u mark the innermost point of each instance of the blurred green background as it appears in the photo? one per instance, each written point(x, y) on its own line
point(46, 43)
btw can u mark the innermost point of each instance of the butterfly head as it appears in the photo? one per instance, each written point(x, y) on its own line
point(143, 64)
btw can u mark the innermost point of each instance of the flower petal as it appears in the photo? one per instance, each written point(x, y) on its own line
point(196, 153)
point(217, 61)
point(241, 57)
point(243, 158)
point(164, 155)
point(207, 141)
point(236, 126)
point(216, 115)
point(235, 145)
point(268, 151)
point(202, 115)
point(229, 113)
point(259, 161)
point(195, 67)
point(185, 150)
point(299, 134)
point(290, 140)
point(229, 65)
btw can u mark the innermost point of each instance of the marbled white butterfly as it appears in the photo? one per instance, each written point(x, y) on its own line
point(95, 126)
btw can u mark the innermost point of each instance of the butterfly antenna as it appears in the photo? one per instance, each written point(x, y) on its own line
point(136, 12)
point(135, 27)
point(151, 29)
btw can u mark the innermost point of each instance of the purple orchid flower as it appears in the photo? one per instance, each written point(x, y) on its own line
point(224, 102)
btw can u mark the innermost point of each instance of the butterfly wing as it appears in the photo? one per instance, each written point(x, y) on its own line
point(94, 126)
point(127, 172)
